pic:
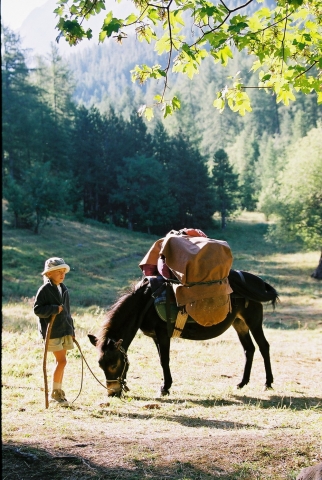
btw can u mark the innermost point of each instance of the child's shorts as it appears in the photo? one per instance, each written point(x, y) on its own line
point(62, 343)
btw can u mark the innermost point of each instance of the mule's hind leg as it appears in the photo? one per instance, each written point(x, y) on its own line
point(248, 346)
point(254, 320)
point(255, 324)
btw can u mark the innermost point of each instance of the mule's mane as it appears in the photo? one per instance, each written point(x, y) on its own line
point(117, 315)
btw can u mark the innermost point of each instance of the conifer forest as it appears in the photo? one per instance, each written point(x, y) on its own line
point(73, 143)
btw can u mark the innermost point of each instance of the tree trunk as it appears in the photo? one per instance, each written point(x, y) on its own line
point(318, 271)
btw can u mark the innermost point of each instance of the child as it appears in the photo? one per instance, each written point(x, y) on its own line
point(53, 299)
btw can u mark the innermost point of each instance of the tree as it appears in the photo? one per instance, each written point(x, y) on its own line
point(142, 195)
point(225, 186)
point(90, 164)
point(40, 195)
point(21, 108)
point(284, 40)
point(35, 183)
point(55, 85)
point(298, 204)
point(189, 184)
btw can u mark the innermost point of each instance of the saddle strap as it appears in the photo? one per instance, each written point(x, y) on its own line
point(180, 323)
point(167, 307)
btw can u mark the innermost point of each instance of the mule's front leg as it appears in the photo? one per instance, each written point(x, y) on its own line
point(249, 355)
point(249, 349)
point(163, 345)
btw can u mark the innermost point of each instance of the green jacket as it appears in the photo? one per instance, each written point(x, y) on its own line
point(47, 302)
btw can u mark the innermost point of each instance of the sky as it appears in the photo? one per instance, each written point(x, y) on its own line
point(14, 12)
point(35, 22)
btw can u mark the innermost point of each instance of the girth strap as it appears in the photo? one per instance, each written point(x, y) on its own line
point(170, 326)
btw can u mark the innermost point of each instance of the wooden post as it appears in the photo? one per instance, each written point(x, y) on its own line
point(45, 358)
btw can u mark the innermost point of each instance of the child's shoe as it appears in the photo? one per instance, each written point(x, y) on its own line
point(58, 396)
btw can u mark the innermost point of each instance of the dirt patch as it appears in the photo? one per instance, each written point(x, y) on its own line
point(201, 457)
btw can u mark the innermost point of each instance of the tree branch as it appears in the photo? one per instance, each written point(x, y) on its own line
point(283, 46)
point(305, 71)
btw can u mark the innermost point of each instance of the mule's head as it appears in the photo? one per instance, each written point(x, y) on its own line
point(112, 359)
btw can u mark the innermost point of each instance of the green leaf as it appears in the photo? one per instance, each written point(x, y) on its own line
point(220, 104)
point(176, 104)
point(59, 11)
point(112, 25)
point(149, 113)
point(153, 15)
point(224, 54)
point(285, 96)
point(130, 19)
point(73, 10)
point(167, 111)
point(101, 36)
point(190, 68)
point(163, 45)
point(295, 3)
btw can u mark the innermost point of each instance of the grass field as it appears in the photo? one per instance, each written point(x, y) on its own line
point(206, 428)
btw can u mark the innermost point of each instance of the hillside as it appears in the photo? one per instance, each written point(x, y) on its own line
point(104, 261)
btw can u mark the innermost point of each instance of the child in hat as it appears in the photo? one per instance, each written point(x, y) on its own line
point(52, 298)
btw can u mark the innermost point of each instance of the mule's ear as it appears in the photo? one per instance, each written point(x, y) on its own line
point(93, 339)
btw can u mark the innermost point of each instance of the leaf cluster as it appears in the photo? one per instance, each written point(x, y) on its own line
point(284, 41)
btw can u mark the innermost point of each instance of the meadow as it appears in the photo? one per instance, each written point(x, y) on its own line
point(206, 428)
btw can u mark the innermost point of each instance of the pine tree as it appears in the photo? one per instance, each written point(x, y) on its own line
point(29, 179)
point(142, 196)
point(225, 186)
point(189, 184)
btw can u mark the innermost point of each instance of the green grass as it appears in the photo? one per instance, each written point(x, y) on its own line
point(104, 260)
point(206, 428)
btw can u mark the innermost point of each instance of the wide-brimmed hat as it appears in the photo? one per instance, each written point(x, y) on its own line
point(55, 263)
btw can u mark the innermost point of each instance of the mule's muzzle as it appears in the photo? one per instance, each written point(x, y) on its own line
point(114, 388)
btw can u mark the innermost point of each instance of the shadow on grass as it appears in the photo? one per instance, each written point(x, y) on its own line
point(275, 401)
point(21, 461)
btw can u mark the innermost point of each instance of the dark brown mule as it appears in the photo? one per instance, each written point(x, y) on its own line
point(135, 310)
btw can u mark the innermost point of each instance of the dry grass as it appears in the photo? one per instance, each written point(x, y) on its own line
point(206, 428)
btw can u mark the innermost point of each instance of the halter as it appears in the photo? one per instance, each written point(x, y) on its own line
point(121, 379)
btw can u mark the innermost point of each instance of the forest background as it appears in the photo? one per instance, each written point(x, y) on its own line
point(71, 126)
point(74, 148)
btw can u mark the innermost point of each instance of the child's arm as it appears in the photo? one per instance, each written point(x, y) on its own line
point(42, 307)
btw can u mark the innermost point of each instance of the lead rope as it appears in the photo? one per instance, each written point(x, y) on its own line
point(84, 360)
point(119, 379)
point(50, 326)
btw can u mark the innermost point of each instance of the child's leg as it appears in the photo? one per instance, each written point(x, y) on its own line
point(61, 362)
point(57, 393)
point(58, 372)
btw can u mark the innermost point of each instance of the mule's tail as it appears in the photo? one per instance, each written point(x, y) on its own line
point(252, 287)
point(272, 293)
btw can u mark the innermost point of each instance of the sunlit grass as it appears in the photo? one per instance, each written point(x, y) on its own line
point(206, 422)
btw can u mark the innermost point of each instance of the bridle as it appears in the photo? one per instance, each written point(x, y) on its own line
point(121, 379)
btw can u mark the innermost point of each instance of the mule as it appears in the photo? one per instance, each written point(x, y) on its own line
point(135, 310)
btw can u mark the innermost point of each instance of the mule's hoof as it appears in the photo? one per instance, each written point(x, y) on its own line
point(241, 385)
point(164, 392)
point(268, 387)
